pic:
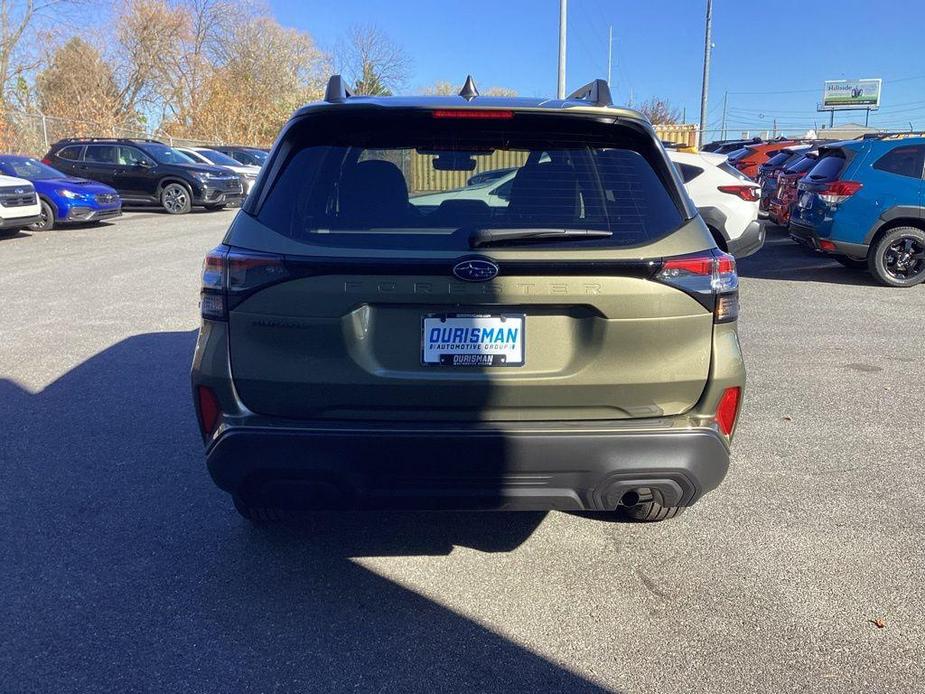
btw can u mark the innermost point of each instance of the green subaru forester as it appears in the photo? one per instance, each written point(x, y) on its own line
point(468, 302)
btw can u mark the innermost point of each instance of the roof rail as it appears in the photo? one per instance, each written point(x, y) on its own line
point(893, 135)
point(596, 92)
point(109, 139)
point(337, 90)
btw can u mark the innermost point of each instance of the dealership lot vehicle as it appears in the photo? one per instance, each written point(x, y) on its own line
point(248, 156)
point(770, 170)
point(147, 172)
point(63, 199)
point(785, 197)
point(751, 157)
point(205, 155)
point(456, 342)
point(863, 203)
point(726, 198)
point(727, 147)
point(19, 205)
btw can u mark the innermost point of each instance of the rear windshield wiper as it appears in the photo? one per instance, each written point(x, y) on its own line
point(487, 237)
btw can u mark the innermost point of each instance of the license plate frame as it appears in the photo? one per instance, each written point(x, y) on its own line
point(468, 358)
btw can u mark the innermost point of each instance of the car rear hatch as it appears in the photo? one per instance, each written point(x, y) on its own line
point(366, 280)
point(811, 209)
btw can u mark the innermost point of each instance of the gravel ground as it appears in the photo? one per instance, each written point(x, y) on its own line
point(125, 569)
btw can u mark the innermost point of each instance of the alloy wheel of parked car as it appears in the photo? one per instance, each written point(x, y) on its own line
point(899, 257)
point(47, 221)
point(176, 199)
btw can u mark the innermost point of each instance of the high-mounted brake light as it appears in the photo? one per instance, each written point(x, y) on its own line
point(709, 277)
point(839, 191)
point(747, 193)
point(728, 409)
point(229, 276)
point(476, 114)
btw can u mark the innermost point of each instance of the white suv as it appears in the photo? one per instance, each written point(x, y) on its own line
point(727, 200)
point(19, 205)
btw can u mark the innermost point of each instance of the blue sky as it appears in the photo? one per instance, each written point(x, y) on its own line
point(782, 50)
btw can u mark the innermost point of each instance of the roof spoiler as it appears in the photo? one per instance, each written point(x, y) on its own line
point(899, 134)
point(336, 90)
point(596, 92)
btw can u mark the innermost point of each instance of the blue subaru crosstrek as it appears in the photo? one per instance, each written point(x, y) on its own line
point(864, 205)
point(64, 199)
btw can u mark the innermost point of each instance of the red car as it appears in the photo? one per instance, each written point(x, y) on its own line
point(785, 198)
point(749, 159)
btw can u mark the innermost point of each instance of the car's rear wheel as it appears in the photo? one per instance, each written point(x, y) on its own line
point(853, 263)
point(649, 509)
point(898, 259)
point(176, 199)
point(47, 218)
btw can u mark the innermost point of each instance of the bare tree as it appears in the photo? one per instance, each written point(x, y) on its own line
point(372, 62)
point(660, 111)
point(21, 20)
point(444, 88)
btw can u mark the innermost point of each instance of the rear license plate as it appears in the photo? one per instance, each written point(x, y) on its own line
point(805, 200)
point(472, 340)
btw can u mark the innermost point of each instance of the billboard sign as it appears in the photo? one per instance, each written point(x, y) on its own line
point(851, 94)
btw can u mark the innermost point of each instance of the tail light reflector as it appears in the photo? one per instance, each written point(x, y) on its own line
point(839, 191)
point(747, 193)
point(827, 245)
point(728, 409)
point(709, 277)
point(209, 410)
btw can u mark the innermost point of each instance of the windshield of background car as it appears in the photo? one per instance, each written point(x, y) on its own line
point(167, 155)
point(31, 169)
point(400, 181)
point(218, 158)
point(258, 155)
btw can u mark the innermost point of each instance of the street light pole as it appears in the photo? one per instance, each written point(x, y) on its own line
point(563, 19)
point(609, 54)
point(707, 51)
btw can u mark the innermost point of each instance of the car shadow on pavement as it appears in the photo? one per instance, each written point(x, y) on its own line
point(125, 569)
point(19, 234)
point(782, 258)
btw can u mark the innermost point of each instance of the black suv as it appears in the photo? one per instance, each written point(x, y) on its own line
point(147, 171)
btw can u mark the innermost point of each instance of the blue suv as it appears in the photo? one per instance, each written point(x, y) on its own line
point(63, 199)
point(864, 204)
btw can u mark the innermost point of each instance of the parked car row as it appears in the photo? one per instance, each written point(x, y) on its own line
point(87, 180)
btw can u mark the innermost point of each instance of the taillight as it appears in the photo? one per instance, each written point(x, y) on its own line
point(747, 193)
point(474, 114)
point(46, 160)
point(230, 275)
point(709, 277)
point(209, 410)
point(839, 191)
point(728, 409)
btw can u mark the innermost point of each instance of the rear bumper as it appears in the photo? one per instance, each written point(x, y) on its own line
point(573, 466)
point(750, 242)
point(807, 236)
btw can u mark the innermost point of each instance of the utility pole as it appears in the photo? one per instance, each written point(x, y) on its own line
point(563, 20)
point(707, 51)
point(725, 101)
point(609, 54)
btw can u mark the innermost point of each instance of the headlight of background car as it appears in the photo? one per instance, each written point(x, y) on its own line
point(69, 194)
point(206, 177)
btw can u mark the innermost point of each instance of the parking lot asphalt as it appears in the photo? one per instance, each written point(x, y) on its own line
point(125, 569)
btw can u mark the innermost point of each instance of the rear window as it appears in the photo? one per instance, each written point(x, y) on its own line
point(801, 166)
point(733, 171)
point(739, 153)
point(778, 159)
point(405, 181)
point(828, 168)
point(688, 172)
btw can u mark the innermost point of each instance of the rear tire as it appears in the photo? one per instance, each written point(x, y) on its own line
point(898, 259)
point(853, 263)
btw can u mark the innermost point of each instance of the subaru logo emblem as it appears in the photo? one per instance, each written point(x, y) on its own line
point(475, 270)
point(20, 191)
